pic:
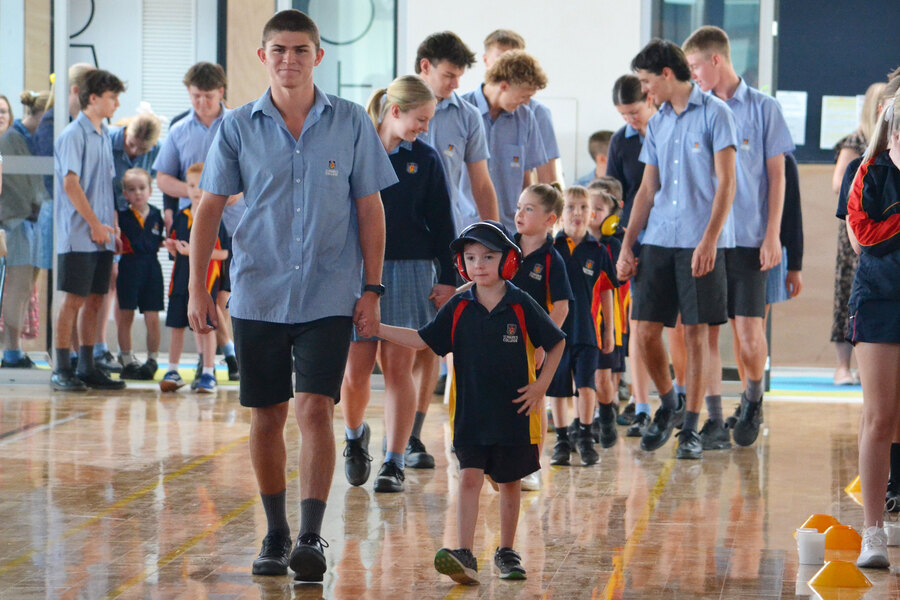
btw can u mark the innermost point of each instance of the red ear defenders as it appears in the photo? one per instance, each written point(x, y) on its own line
point(511, 256)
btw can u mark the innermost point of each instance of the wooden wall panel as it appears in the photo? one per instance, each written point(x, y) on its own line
point(37, 45)
point(246, 76)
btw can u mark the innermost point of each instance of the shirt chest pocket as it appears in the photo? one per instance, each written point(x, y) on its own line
point(453, 149)
point(698, 151)
point(329, 172)
point(750, 145)
point(512, 156)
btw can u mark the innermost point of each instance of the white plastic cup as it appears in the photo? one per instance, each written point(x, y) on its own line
point(893, 533)
point(810, 546)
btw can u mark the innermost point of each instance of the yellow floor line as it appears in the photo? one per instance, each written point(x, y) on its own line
point(11, 564)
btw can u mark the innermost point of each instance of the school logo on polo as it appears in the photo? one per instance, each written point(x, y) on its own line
point(449, 150)
point(588, 267)
point(696, 148)
point(331, 171)
point(745, 144)
point(511, 337)
point(536, 272)
point(412, 168)
point(515, 162)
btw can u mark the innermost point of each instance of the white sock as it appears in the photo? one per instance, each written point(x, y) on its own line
point(209, 370)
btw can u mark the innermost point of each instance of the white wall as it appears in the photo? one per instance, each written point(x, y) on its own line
point(583, 45)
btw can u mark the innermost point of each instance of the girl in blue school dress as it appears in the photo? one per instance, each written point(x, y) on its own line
point(419, 229)
point(873, 223)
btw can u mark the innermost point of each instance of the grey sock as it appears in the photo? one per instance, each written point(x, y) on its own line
point(417, 424)
point(63, 359)
point(276, 514)
point(153, 355)
point(754, 391)
point(690, 421)
point(85, 359)
point(312, 511)
point(714, 408)
point(669, 399)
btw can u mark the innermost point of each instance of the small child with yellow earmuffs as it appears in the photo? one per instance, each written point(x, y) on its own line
point(492, 329)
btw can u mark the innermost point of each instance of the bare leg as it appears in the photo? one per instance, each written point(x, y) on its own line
point(268, 452)
point(736, 348)
point(879, 369)
point(355, 389)
point(206, 345)
point(65, 320)
point(151, 320)
point(696, 338)
point(653, 351)
point(510, 505)
point(314, 416)
point(753, 347)
point(640, 376)
point(176, 345)
point(426, 370)
point(560, 407)
point(678, 352)
point(470, 481)
point(124, 321)
point(714, 363)
point(844, 351)
point(89, 317)
point(585, 403)
point(397, 364)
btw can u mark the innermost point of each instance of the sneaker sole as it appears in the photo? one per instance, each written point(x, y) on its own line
point(419, 461)
point(874, 562)
point(170, 386)
point(308, 564)
point(447, 564)
point(513, 576)
point(269, 570)
point(744, 436)
point(723, 445)
point(203, 390)
point(563, 462)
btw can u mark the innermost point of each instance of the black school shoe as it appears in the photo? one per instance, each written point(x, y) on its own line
point(626, 417)
point(747, 427)
point(107, 362)
point(66, 381)
point(357, 460)
point(509, 563)
point(660, 430)
point(148, 370)
point(234, 374)
point(715, 436)
point(460, 565)
point(23, 363)
point(131, 371)
point(638, 426)
point(273, 557)
point(99, 380)
point(308, 557)
point(390, 478)
point(586, 450)
point(689, 445)
point(561, 452)
point(608, 433)
point(416, 456)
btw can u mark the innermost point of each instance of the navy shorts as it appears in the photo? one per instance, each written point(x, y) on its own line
point(874, 306)
point(504, 464)
point(746, 283)
point(177, 312)
point(225, 277)
point(84, 273)
point(140, 283)
point(577, 364)
point(608, 361)
point(315, 353)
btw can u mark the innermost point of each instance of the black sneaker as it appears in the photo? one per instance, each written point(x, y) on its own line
point(308, 557)
point(892, 500)
point(715, 436)
point(608, 433)
point(689, 445)
point(595, 428)
point(509, 563)
point(234, 373)
point(390, 478)
point(626, 417)
point(660, 430)
point(131, 371)
point(98, 380)
point(747, 427)
point(66, 381)
point(23, 363)
point(357, 461)
point(639, 425)
point(679, 416)
point(460, 565)
point(561, 452)
point(273, 558)
point(586, 451)
point(107, 362)
point(573, 429)
point(148, 370)
point(416, 456)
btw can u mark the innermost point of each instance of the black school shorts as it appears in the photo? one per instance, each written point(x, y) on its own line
point(577, 364)
point(504, 464)
point(140, 283)
point(664, 287)
point(746, 283)
point(269, 353)
point(84, 273)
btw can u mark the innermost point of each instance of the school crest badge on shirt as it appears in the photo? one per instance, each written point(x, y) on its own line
point(588, 268)
point(696, 148)
point(511, 336)
point(331, 171)
point(745, 145)
point(515, 162)
point(448, 152)
point(412, 168)
point(537, 272)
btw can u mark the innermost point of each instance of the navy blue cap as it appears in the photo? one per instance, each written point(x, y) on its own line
point(491, 234)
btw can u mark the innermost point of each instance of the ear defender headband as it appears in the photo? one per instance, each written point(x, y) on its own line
point(511, 255)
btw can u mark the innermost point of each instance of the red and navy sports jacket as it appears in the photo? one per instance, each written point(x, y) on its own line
point(873, 208)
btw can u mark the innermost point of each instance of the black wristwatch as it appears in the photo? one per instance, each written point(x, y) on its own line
point(375, 288)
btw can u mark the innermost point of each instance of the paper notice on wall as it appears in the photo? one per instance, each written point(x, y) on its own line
point(840, 117)
point(793, 107)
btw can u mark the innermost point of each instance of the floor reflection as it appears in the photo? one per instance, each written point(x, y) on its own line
point(149, 496)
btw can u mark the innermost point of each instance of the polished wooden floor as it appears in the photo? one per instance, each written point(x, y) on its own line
point(143, 495)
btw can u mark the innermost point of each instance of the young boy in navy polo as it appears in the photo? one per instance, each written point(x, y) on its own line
point(492, 328)
point(542, 274)
point(590, 275)
point(178, 244)
point(140, 281)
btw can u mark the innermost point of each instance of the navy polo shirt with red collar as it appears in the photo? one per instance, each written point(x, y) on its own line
point(542, 275)
point(493, 356)
point(590, 273)
point(141, 236)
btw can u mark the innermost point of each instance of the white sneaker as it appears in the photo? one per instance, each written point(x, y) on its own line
point(532, 483)
point(874, 553)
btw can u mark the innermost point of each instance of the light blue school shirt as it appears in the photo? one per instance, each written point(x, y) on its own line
point(297, 256)
point(457, 133)
point(515, 144)
point(123, 162)
point(683, 148)
point(586, 180)
point(83, 150)
point(544, 119)
point(762, 133)
point(187, 143)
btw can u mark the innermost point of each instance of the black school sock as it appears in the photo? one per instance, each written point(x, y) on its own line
point(669, 399)
point(754, 391)
point(312, 511)
point(276, 514)
point(607, 413)
point(63, 359)
point(894, 482)
point(714, 408)
point(85, 359)
point(691, 420)
point(562, 433)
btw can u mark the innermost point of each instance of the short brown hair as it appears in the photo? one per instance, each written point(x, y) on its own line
point(506, 38)
point(610, 185)
point(196, 168)
point(291, 20)
point(599, 192)
point(577, 191)
point(136, 172)
point(598, 143)
point(708, 40)
point(145, 127)
point(517, 67)
point(550, 196)
point(205, 76)
point(97, 83)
